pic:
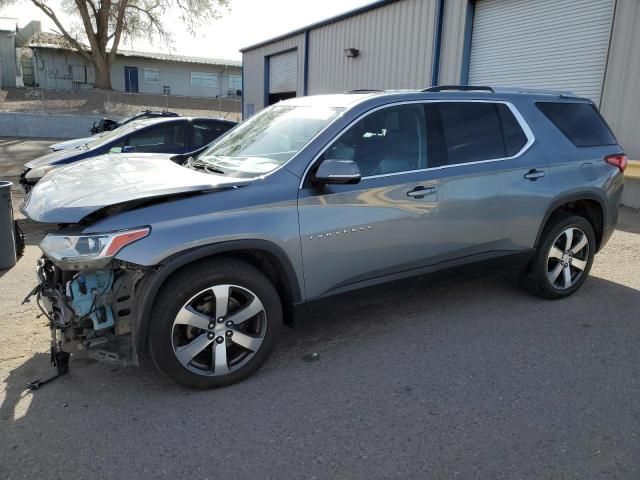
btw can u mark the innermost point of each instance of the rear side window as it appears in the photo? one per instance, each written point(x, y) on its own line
point(166, 136)
point(463, 132)
point(579, 122)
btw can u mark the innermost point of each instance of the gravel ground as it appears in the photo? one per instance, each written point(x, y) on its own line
point(472, 380)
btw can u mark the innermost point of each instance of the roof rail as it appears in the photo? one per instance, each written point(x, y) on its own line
point(459, 88)
point(363, 90)
point(521, 90)
point(536, 91)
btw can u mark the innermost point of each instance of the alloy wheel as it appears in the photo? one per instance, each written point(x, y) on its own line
point(219, 330)
point(567, 258)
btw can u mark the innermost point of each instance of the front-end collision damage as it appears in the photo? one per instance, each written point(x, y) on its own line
point(91, 310)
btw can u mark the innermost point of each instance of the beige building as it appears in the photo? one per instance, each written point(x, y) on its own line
point(590, 47)
point(58, 66)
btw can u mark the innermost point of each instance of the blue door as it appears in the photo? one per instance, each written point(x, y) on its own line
point(131, 79)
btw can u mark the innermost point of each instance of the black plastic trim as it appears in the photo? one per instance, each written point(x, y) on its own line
point(574, 197)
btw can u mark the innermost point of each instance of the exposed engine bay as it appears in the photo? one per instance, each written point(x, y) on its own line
point(89, 310)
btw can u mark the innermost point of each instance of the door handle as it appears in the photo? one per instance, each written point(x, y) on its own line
point(534, 174)
point(421, 192)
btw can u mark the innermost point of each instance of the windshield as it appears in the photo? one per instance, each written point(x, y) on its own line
point(267, 140)
point(110, 135)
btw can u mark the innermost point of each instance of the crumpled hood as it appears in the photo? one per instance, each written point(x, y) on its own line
point(70, 193)
point(53, 157)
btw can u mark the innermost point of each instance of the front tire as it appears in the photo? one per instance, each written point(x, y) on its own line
point(214, 324)
point(563, 260)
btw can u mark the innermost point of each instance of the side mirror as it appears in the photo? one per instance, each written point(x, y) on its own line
point(115, 150)
point(333, 171)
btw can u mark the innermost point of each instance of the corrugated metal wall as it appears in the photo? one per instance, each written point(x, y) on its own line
point(452, 50)
point(395, 44)
point(621, 95)
point(253, 66)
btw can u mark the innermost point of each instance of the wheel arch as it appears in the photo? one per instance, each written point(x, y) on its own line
point(588, 204)
point(269, 258)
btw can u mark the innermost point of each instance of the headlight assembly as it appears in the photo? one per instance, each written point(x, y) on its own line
point(88, 251)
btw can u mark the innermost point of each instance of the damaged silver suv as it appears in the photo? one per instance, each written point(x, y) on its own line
point(201, 260)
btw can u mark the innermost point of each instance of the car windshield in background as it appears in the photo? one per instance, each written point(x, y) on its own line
point(111, 134)
point(267, 140)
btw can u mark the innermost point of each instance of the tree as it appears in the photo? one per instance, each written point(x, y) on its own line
point(105, 23)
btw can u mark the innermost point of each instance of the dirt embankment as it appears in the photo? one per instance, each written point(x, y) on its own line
point(114, 104)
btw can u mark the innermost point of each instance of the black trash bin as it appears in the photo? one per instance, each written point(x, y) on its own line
point(8, 256)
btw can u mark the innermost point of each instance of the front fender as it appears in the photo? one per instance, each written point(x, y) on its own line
point(148, 288)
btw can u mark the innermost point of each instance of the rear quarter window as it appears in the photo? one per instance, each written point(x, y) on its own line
point(581, 123)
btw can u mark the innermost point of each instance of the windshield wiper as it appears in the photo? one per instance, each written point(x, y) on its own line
point(207, 167)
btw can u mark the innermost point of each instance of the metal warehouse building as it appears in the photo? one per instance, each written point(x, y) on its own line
point(591, 47)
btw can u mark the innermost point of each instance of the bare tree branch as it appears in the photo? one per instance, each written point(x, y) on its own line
point(107, 23)
point(51, 14)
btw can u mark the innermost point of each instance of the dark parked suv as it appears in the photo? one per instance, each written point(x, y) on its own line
point(201, 260)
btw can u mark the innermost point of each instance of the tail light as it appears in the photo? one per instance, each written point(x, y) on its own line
point(617, 160)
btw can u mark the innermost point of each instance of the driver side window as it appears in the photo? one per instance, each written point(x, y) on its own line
point(390, 140)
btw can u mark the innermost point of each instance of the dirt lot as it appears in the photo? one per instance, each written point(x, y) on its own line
point(472, 380)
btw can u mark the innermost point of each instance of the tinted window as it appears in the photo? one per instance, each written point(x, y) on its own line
point(387, 141)
point(164, 137)
point(514, 137)
point(470, 132)
point(580, 122)
point(205, 132)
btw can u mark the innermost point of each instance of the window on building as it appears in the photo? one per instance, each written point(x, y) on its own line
point(151, 75)
point(202, 79)
point(235, 82)
point(463, 132)
point(579, 122)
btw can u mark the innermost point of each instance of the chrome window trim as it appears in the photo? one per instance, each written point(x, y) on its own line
point(516, 113)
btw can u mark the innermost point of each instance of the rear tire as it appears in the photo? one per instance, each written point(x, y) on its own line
point(214, 324)
point(563, 259)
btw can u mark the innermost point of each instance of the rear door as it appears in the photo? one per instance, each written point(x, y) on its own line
point(495, 183)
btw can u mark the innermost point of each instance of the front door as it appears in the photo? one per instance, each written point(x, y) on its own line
point(384, 226)
point(131, 79)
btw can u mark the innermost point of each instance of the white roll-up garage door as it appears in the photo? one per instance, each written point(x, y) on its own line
point(557, 44)
point(283, 72)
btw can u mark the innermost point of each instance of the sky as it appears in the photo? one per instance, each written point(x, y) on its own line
point(249, 22)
